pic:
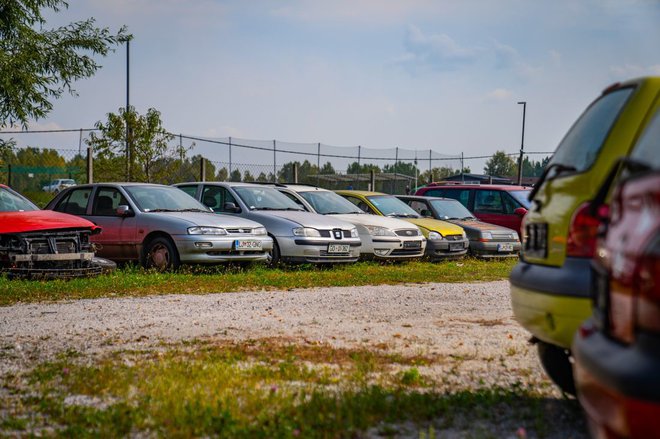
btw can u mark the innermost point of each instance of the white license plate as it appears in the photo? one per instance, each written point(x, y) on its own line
point(504, 247)
point(456, 247)
point(338, 248)
point(244, 244)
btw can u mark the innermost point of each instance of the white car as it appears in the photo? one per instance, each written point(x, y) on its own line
point(58, 185)
point(382, 237)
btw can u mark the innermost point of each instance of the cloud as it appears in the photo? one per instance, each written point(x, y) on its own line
point(438, 51)
point(508, 58)
point(634, 70)
point(499, 94)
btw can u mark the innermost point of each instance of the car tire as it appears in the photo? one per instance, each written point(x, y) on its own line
point(274, 257)
point(557, 364)
point(161, 254)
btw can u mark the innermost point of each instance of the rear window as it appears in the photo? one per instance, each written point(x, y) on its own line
point(648, 146)
point(583, 142)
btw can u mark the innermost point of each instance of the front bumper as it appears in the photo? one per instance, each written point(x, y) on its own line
point(618, 385)
point(493, 249)
point(444, 249)
point(211, 249)
point(552, 302)
point(315, 250)
point(395, 248)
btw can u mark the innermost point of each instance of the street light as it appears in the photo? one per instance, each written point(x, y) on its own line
point(522, 144)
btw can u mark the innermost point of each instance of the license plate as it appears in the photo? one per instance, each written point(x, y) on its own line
point(412, 244)
point(243, 244)
point(456, 247)
point(338, 248)
point(504, 247)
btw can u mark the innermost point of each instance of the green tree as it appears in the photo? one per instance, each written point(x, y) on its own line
point(364, 168)
point(235, 175)
point(222, 174)
point(439, 173)
point(501, 165)
point(38, 64)
point(262, 178)
point(327, 169)
point(148, 146)
point(247, 176)
point(405, 168)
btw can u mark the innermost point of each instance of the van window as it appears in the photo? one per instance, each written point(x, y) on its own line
point(461, 195)
point(583, 142)
point(648, 146)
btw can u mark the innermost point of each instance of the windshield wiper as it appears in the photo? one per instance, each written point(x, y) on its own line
point(467, 218)
point(560, 168)
point(193, 209)
point(161, 210)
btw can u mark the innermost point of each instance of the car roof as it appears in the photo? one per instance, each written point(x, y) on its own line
point(114, 183)
point(500, 187)
point(424, 197)
point(362, 193)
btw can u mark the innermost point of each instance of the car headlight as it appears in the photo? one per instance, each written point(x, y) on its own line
point(463, 234)
point(306, 231)
point(354, 233)
point(434, 236)
point(204, 230)
point(259, 231)
point(379, 231)
point(515, 236)
point(487, 236)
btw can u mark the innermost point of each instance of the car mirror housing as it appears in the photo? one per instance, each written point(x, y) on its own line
point(521, 211)
point(124, 211)
point(231, 207)
point(426, 213)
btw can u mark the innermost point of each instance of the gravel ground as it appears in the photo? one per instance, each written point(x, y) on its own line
point(471, 324)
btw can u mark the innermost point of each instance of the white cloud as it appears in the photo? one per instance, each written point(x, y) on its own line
point(508, 58)
point(499, 94)
point(438, 51)
point(632, 70)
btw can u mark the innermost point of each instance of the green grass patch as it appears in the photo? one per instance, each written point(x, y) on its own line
point(133, 281)
point(256, 389)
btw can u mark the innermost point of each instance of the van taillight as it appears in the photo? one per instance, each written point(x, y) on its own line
point(646, 288)
point(583, 232)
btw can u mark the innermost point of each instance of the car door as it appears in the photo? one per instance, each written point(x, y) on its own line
point(215, 197)
point(490, 207)
point(75, 202)
point(119, 239)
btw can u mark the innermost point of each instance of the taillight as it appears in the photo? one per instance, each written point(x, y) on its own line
point(646, 287)
point(583, 232)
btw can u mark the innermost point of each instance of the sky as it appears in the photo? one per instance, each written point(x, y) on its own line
point(414, 74)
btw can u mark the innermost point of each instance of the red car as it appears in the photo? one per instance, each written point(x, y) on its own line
point(42, 243)
point(617, 351)
point(499, 204)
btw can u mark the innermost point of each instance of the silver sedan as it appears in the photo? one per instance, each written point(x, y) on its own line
point(161, 227)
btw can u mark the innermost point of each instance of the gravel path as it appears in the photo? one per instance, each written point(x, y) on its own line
point(470, 322)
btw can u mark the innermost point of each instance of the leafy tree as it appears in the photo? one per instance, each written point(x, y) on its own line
point(38, 65)
point(501, 165)
point(262, 178)
point(6, 149)
point(222, 175)
point(148, 144)
point(235, 175)
point(440, 173)
point(247, 176)
point(405, 168)
point(364, 168)
point(327, 169)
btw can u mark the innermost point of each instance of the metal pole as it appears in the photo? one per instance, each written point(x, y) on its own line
point(430, 166)
point(462, 168)
point(230, 156)
point(181, 147)
point(80, 143)
point(359, 170)
point(295, 172)
point(396, 159)
point(318, 165)
point(522, 144)
point(128, 142)
point(202, 169)
point(9, 174)
point(90, 166)
point(274, 163)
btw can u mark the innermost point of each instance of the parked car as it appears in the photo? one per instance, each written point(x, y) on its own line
point(161, 227)
point(43, 244)
point(298, 236)
point(486, 240)
point(444, 240)
point(382, 238)
point(502, 205)
point(550, 285)
point(617, 352)
point(59, 184)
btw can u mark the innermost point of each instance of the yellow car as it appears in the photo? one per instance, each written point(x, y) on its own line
point(444, 240)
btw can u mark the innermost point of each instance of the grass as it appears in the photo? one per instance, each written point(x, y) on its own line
point(264, 388)
point(133, 281)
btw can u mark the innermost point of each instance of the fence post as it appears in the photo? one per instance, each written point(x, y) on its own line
point(202, 169)
point(318, 165)
point(90, 165)
point(357, 175)
point(230, 156)
point(372, 180)
point(274, 162)
point(396, 159)
point(9, 174)
point(430, 166)
point(295, 172)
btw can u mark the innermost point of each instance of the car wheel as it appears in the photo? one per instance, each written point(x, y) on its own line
point(274, 254)
point(556, 363)
point(161, 254)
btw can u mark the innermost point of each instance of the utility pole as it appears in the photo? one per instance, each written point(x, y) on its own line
point(126, 113)
point(522, 143)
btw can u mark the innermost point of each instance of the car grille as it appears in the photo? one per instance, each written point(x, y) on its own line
point(454, 237)
point(331, 233)
point(536, 242)
point(504, 237)
point(42, 245)
point(407, 232)
point(406, 252)
point(241, 231)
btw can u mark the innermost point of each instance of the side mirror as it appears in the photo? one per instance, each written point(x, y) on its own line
point(521, 211)
point(426, 213)
point(124, 211)
point(230, 207)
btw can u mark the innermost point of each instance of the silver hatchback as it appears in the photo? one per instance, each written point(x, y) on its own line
point(299, 236)
point(161, 227)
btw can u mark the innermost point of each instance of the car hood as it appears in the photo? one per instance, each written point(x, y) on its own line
point(305, 219)
point(211, 219)
point(442, 227)
point(373, 220)
point(480, 226)
point(39, 220)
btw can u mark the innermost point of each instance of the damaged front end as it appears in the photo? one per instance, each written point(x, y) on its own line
point(57, 254)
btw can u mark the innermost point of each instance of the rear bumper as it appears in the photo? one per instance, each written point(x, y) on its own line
point(552, 302)
point(443, 249)
point(618, 385)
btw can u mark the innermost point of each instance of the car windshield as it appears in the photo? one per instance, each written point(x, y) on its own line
point(521, 197)
point(648, 146)
point(391, 206)
point(265, 198)
point(164, 199)
point(450, 209)
point(67, 181)
point(325, 202)
point(10, 201)
point(584, 140)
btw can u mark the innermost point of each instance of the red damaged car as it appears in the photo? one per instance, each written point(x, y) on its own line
point(617, 351)
point(44, 244)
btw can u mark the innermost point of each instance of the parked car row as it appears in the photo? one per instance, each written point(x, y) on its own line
point(587, 285)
